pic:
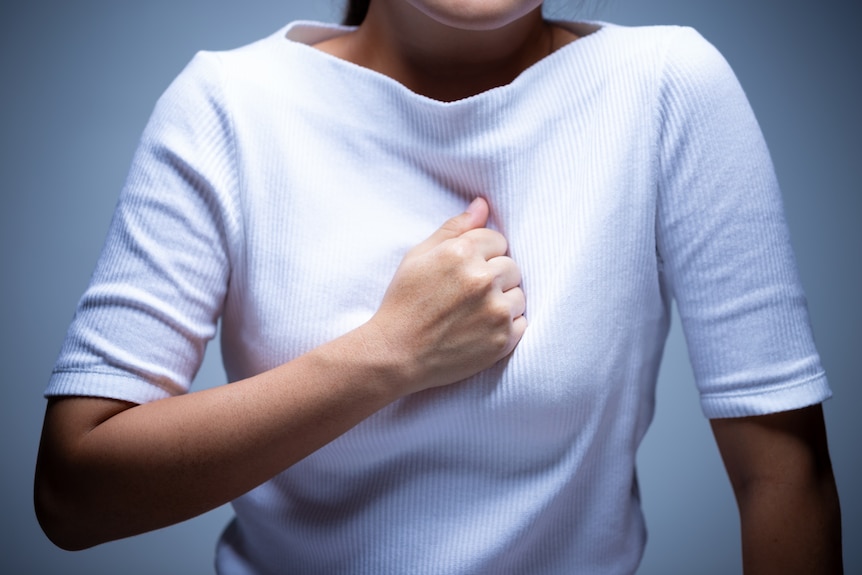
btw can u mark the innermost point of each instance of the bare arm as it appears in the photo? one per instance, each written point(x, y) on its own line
point(781, 474)
point(109, 469)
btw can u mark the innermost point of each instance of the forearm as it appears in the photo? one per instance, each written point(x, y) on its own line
point(790, 528)
point(160, 463)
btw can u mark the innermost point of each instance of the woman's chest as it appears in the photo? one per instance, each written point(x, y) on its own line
point(322, 245)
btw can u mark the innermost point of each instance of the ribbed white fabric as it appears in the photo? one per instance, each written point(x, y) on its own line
point(277, 188)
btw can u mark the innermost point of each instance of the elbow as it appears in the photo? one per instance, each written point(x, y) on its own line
point(60, 523)
point(62, 510)
point(68, 487)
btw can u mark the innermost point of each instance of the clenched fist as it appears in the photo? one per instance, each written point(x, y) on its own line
point(454, 306)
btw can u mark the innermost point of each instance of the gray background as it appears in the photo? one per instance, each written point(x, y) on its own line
point(79, 80)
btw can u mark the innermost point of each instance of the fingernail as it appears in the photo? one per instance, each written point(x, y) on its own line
point(472, 207)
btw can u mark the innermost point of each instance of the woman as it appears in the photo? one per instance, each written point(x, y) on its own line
point(391, 412)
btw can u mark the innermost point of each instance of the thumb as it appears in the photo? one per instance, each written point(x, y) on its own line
point(475, 216)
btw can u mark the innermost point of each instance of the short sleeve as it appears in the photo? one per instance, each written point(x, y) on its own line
point(141, 327)
point(724, 245)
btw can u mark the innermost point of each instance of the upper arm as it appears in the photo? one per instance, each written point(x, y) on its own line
point(67, 422)
point(68, 418)
point(158, 290)
point(724, 244)
point(788, 502)
point(785, 447)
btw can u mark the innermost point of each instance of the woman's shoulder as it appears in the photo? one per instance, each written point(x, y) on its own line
point(666, 57)
point(679, 50)
point(638, 44)
point(628, 37)
point(291, 41)
point(215, 76)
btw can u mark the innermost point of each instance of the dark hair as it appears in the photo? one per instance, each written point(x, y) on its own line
point(355, 12)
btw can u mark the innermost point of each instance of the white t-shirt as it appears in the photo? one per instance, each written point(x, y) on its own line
point(277, 188)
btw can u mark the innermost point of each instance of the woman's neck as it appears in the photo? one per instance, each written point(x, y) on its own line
point(443, 61)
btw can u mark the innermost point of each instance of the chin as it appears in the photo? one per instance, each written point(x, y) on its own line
point(476, 14)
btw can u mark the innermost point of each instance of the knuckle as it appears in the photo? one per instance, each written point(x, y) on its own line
point(499, 342)
point(501, 239)
point(520, 298)
point(480, 281)
point(499, 311)
point(495, 241)
point(458, 249)
point(513, 267)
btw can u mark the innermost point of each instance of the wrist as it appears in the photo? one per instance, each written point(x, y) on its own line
point(390, 366)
